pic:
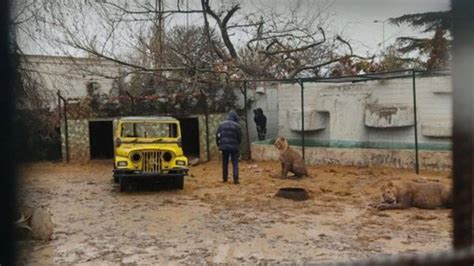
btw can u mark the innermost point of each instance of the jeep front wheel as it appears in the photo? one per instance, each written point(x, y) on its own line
point(123, 184)
point(179, 182)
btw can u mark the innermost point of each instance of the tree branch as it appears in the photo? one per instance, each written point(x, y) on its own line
point(222, 24)
point(298, 49)
point(151, 11)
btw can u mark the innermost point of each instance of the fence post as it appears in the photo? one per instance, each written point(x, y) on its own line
point(302, 118)
point(463, 119)
point(132, 101)
point(66, 130)
point(246, 121)
point(417, 164)
point(206, 110)
point(59, 106)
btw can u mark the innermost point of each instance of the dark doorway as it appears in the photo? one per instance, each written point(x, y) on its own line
point(190, 136)
point(101, 139)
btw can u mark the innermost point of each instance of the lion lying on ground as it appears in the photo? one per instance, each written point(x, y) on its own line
point(428, 195)
point(291, 160)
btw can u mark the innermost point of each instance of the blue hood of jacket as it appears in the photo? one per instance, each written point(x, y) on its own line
point(233, 116)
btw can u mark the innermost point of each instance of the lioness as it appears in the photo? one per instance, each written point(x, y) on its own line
point(291, 160)
point(401, 195)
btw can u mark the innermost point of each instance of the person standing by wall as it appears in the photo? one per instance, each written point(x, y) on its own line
point(229, 137)
point(261, 122)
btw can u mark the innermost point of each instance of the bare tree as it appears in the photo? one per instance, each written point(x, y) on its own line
point(280, 45)
point(30, 89)
point(276, 45)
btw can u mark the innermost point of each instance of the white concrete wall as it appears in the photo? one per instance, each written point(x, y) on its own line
point(71, 75)
point(267, 99)
point(346, 104)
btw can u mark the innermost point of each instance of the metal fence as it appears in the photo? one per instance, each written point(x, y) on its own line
point(400, 74)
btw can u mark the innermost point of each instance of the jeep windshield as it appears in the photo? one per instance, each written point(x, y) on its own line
point(135, 132)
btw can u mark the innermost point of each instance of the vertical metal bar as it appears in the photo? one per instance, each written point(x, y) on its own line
point(59, 106)
point(417, 165)
point(208, 149)
point(463, 120)
point(246, 121)
point(302, 118)
point(59, 120)
point(132, 100)
point(7, 140)
point(66, 134)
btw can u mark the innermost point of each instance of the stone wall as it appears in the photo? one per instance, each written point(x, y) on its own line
point(214, 121)
point(78, 138)
point(79, 145)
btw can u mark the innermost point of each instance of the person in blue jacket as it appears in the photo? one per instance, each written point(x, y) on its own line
point(229, 137)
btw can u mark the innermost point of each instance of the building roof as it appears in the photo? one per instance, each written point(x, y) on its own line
point(149, 118)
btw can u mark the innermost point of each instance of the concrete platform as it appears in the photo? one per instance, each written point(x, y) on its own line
point(437, 128)
point(313, 119)
point(388, 116)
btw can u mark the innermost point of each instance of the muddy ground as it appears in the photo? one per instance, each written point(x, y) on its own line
point(212, 222)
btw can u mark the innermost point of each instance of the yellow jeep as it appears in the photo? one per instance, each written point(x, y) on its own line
point(149, 148)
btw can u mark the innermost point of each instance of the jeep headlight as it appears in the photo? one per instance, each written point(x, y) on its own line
point(136, 157)
point(167, 156)
point(122, 163)
point(181, 163)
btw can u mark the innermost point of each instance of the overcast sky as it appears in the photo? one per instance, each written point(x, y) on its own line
point(353, 19)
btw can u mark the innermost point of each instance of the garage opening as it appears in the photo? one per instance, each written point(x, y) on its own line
point(101, 139)
point(190, 136)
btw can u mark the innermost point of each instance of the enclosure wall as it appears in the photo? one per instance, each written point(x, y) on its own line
point(367, 114)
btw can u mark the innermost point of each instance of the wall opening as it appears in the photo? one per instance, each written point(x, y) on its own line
point(101, 139)
point(190, 136)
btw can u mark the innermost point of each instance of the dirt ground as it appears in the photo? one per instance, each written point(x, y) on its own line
point(213, 222)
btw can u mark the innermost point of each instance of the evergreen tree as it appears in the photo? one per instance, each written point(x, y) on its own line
point(436, 48)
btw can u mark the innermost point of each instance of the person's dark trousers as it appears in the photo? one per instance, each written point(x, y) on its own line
point(234, 156)
point(261, 133)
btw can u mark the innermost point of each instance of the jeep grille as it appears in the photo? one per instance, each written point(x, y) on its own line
point(151, 161)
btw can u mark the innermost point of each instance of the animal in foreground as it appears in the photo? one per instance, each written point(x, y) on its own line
point(402, 195)
point(34, 223)
point(291, 160)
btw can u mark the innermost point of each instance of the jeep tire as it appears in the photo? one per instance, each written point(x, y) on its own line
point(179, 182)
point(123, 182)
